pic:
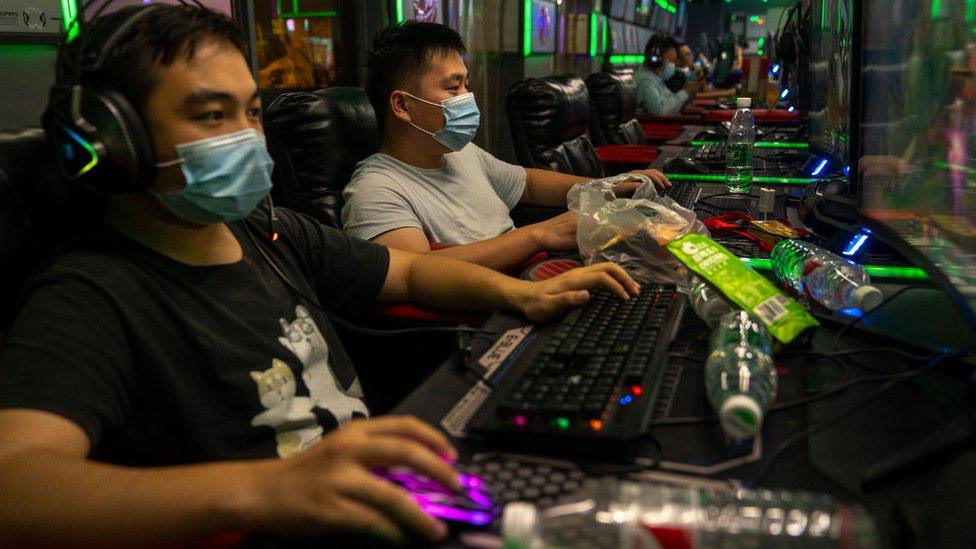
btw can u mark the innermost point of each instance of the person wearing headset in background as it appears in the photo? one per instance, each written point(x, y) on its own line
point(161, 367)
point(688, 71)
point(660, 64)
point(429, 182)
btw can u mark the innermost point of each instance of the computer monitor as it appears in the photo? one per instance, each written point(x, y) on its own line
point(830, 88)
point(544, 23)
point(642, 10)
point(617, 8)
point(105, 7)
point(916, 149)
point(429, 11)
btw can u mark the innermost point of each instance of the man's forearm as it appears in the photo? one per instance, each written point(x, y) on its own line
point(450, 284)
point(502, 253)
point(548, 188)
point(46, 498)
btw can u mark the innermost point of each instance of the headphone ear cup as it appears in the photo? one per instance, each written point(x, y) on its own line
point(127, 164)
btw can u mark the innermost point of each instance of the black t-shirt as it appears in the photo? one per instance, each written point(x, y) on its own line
point(165, 363)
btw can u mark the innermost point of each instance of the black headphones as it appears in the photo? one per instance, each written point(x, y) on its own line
point(654, 52)
point(96, 131)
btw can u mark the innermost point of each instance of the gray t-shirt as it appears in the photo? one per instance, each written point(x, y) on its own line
point(466, 200)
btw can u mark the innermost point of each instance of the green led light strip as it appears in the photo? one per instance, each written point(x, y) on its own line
point(307, 14)
point(880, 271)
point(594, 22)
point(970, 11)
point(954, 167)
point(399, 11)
point(936, 9)
point(69, 14)
point(760, 144)
point(527, 28)
point(604, 50)
point(756, 179)
point(626, 59)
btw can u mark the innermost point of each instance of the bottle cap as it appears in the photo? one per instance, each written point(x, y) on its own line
point(519, 525)
point(743, 102)
point(740, 416)
point(868, 297)
point(767, 200)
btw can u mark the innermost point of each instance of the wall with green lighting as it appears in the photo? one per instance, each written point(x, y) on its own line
point(29, 73)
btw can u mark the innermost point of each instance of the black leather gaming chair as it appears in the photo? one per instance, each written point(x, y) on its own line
point(549, 119)
point(39, 211)
point(316, 139)
point(613, 108)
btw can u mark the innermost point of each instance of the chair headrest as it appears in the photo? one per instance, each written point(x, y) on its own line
point(325, 132)
point(39, 210)
point(613, 93)
point(546, 112)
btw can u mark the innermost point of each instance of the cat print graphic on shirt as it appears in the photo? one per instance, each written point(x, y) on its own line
point(296, 427)
point(299, 421)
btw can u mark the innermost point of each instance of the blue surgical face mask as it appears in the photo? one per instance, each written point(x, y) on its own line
point(669, 69)
point(461, 119)
point(226, 177)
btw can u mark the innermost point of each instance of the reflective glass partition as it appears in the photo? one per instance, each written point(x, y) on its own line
point(917, 166)
point(830, 77)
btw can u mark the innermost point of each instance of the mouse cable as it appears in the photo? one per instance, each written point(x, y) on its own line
point(857, 320)
point(820, 395)
point(836, 418)
point(604, 468)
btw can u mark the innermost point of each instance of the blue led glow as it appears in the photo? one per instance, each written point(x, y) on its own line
point(853, 312)
point(626, 399)
point(847, 170)
point(791, 109)
point(785, 93)
point(820, 168)
point(855, 244)
point(776, 68)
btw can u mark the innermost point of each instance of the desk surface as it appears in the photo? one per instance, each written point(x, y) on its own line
point(830, 460)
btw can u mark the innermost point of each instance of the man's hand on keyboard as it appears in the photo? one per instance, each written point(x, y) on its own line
point(549, 298)
point(660, 180)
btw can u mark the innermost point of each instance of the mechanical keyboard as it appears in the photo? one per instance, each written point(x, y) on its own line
point(588, 384)
point(685, 193)
point(711, 153)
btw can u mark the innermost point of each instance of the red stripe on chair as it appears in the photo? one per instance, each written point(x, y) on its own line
point(627, 154)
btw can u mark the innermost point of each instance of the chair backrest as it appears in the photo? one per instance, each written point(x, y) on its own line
point(613, 109)
point(549, 118)
point(39, 211)
point(316, 139)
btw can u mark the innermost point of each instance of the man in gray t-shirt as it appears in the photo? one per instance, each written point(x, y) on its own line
point(429, 184)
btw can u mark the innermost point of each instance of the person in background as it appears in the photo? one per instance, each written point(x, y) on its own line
point(429, 184)
point(175, 375)
point(660, 64)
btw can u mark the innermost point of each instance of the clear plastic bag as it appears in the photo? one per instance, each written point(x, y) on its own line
point(632, 232)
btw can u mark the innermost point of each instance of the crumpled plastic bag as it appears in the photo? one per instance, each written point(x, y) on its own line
point(632, 232)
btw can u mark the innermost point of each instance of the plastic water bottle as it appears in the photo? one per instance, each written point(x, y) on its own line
point(612, 513)
point(742, 140)
point(834, 282)
point(708, 304)
point(740, 380)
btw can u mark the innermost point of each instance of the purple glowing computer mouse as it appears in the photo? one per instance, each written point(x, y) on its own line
point(473, 506)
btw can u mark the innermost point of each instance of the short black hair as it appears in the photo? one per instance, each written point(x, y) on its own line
point(662, 42)
point(402, 51)
point(167, 33)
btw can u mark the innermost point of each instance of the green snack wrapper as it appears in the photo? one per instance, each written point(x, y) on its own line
point(784, 317)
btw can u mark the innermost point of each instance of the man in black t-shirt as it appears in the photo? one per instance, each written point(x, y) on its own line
point(161, 367)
